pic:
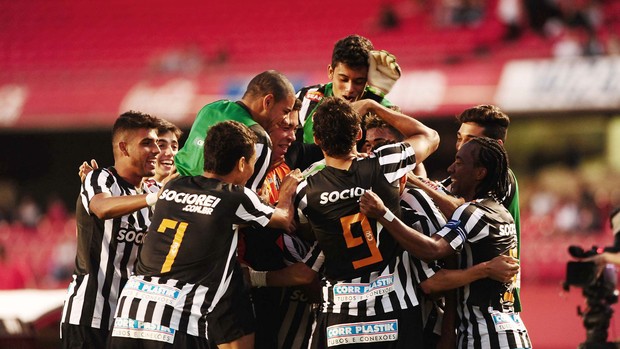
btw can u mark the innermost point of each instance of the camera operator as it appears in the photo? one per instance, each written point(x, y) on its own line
point(595, 273)
point(613, 256)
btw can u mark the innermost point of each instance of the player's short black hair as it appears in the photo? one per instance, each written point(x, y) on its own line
point(492, 156)
point(270, 82)
point(225, 144)
point(352, 51)
point(336, 126)
point(371, 121)
point(167, 126)
point(134, 120)
point(494, 121)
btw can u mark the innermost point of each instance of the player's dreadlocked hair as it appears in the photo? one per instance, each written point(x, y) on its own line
point(493, 157)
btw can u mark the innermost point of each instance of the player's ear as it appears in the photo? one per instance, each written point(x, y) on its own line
point(241, 164)
point(480, 173)
point(360, 133)
point(330, 71)
point(122, 146)
point(268, 101)
point(316, 141)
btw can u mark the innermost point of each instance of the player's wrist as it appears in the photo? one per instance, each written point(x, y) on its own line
point(388, 215)
point(375, 91)
point(258, 278)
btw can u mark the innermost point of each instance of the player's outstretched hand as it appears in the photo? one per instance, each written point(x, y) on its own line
point(371, 205)
point(85, 168)
point(290, 182)
point(383, 71)
point(502, 268)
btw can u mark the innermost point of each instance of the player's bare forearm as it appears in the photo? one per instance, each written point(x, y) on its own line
point(447, 204)
point(422, 138)
point(293, 275)
point(421, 246)
point(105, 206)
point(501, 268)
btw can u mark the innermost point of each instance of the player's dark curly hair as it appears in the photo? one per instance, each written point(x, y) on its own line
point(226, 143)
point(336, 126)
point(134, 120)
point(492, 156)
point(353, 51)
point(490, 117)
point(270, 81)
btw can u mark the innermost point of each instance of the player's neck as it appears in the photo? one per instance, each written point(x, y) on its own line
point(129, 175)
point(231, 177)
point(342, 162)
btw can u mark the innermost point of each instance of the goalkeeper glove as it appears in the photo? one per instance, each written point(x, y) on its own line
point(383, 71)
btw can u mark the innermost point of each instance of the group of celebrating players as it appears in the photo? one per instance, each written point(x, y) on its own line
point(299, 220)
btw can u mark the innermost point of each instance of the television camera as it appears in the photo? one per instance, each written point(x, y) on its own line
point(598, 287)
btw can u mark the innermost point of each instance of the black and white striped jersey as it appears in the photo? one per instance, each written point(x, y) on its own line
point(419, 212)
point(481, 230)
point(365, 271)
point(106, 252)
point(187, 267)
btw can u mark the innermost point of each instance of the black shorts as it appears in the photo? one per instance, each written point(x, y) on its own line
point(78, 336)
point(395, 330)
point(232, 318)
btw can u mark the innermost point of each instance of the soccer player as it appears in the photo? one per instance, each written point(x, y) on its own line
point(357, 71)
point(481, 229)
point(284, 315)
point(188, 286)
point(112, 217)
point(268, 99)
point(485, 121)
point(420, 212)
point(168, 136)
point(368, 291)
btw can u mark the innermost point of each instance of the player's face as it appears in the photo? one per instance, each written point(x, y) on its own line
point(142, 148)
point(378, 135)
point(279, 111)
point(248, 169)
point(464, 172)
point(348, 83)
point(466, 132)
point(169, 147)
point(282, 136)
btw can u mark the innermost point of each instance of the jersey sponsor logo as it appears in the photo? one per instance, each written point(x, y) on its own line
point(298, 296)
point(346, 194)
point(507, 229)
point(130, 328)
point(125, 235)
point(199, 142)
point(149, 291)
point(195, 203)
point(314, 96)
point(362, 332)
point(355, 292)
point(507, 321)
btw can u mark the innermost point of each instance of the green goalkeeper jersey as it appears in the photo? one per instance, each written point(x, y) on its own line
point(190, 159)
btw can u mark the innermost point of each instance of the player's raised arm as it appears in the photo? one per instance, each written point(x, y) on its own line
point(422, 138)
